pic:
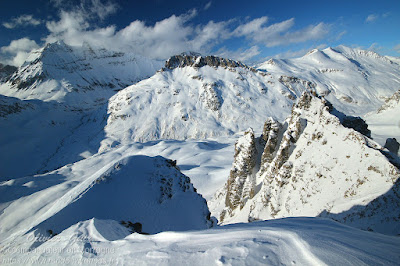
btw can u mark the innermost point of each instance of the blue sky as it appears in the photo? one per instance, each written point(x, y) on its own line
point(249, 30)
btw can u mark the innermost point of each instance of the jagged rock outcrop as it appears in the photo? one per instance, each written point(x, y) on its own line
point(241, 182)
point(390, 102)
point(313, 165)
point(271, 132)
point(196, 60)
point(211, 96)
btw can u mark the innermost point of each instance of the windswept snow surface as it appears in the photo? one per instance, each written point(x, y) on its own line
point(302, 241)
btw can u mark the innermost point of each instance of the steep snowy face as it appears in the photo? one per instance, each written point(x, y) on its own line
point(355, 81)
point(199, 97)
point(134, 189)
point(76, 75)
point(313, 165)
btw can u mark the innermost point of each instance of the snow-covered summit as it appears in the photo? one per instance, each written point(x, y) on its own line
point(77, 76)
point(356, 81)
point(200, 97)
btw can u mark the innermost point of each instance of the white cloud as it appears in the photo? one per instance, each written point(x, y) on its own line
point(240, 55)
point(172, 35)
point(340, 35)
point(298, 53)
point(208, 5)
point(23, 20)
point(90, 9)
point(371, 18)
point(397, 48)
point(161, 40)
point(279, 33)
point(18, 50)
point(251, 28)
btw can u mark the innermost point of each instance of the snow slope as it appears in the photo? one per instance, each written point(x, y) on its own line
point(312, 165)
point(355, 81)
point(303, 241)
point(63, 124)
point(136, 188)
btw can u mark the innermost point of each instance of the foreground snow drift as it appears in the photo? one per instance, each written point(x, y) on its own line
point(302, 241)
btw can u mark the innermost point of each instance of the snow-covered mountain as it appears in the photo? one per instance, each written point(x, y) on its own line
point(312, 165)
point(59, 90)
point(76, 76)
point(355, 81)
point(80, 159)
point(199, 97)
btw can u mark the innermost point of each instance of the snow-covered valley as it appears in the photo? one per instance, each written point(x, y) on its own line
point(94, 141)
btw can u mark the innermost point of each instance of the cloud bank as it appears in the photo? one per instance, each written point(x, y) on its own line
point(18, 51)
point(172, 35)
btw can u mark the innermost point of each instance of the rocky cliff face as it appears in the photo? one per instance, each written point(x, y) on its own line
point(313, 165)
point(6, 71)
point(197, 61)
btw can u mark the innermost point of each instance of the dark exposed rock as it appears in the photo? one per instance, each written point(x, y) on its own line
point(392, 145)
point(353, 122)
point(196, 60)
point(6, 71)
point(356, 123)
point(211, 96)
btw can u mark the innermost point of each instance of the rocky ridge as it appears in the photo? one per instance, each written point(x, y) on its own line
point(304, 171)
